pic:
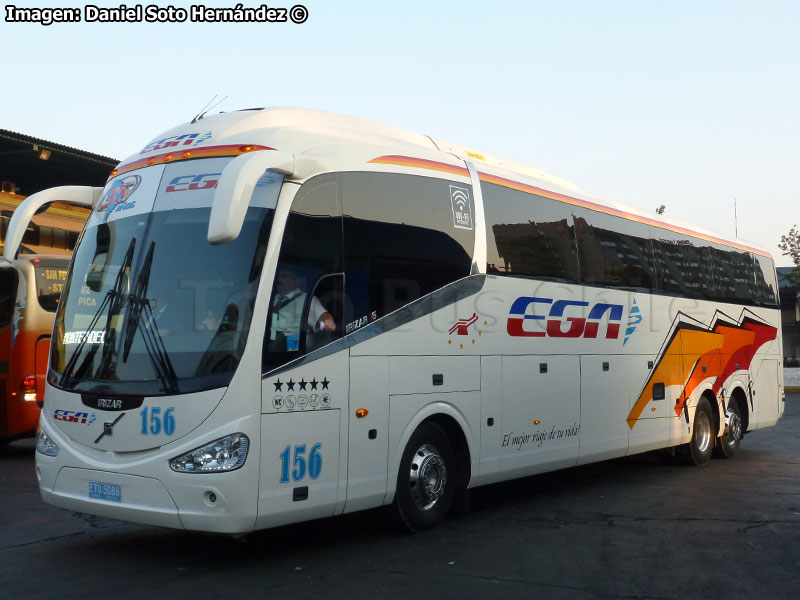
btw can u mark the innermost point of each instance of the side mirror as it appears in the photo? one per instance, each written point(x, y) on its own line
point(73, 194)
point(236, 185)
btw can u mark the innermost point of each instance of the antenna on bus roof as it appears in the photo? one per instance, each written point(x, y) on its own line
point(208, 107)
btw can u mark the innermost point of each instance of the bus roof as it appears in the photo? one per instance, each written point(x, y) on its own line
point(327, 141)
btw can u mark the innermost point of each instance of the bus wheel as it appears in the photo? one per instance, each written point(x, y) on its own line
point(426, 479)
point(728, 444)
point(702, 444)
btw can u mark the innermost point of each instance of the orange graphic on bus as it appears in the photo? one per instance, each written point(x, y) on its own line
point(695, 353)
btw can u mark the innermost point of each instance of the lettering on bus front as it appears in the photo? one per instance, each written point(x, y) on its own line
point(189, 183)
point(187, 139)
point(564, 318)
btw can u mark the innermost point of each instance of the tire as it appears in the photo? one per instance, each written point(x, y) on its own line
point(426, 479)
point(728, 445)
point(702, 444)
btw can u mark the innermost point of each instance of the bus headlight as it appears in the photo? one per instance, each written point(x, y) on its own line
point(44, 444)
point(224, 454)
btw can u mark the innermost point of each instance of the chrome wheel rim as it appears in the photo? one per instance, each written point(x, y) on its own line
point(427, 477)
point(702, 431)
point(733, 428)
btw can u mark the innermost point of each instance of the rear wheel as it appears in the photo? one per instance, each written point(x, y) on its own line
point(728, 444)
point(426, 479)
point(702, 444)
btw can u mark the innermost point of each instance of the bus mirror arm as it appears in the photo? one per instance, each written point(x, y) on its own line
point(236, 185)
point(72, 194)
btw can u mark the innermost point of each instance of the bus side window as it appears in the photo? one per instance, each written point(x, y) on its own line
point(528, 236)
point(683, 264)
point(306, 304)
point(403, 239)
point(614, 252)
point(8, 294)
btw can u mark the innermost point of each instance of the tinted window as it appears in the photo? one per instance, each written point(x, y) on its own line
point(732, 275)
point(766, 283)
point(306, 306)
point(405, 236)
point(613, 251)
point(683, 264)
point(528, 236)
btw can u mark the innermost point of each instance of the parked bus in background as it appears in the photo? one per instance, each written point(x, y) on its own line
point(280, 315)
point(30, 286)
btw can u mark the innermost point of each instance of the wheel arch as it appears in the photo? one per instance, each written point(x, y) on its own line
point(458, 431)
point(740, 396)
point(716, 410)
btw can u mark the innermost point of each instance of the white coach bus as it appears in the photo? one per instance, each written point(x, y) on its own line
point(280, 315)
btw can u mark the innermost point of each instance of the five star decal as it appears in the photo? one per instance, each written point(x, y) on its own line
point(290, 402)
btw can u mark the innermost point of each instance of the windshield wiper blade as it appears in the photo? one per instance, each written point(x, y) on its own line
point(153, 343)
point(112, 300)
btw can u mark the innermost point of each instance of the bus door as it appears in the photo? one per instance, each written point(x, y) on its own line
point(305, 386)
point(8, 296)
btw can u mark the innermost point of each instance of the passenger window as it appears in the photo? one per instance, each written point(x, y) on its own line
point(306, 306)
point(405, 236)
point(528, 236)
point(733, 279)
point(614, 251)
point(683, 264)
point(766, 282)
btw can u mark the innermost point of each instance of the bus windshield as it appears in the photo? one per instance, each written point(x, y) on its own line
point(151, 307)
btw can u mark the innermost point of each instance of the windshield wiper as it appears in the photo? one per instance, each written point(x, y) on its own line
point(153, 343)
point(112, 301)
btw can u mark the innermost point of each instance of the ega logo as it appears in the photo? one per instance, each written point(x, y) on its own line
point(187, 139)
point(69, 416)
point(564, 318)
point(184, 183)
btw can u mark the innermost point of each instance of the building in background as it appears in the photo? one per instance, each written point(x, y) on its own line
point(29, 165)
point(789, 286)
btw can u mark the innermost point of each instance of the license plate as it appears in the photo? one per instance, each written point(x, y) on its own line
point(105, 491)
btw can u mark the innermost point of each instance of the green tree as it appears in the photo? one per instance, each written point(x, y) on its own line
point(790, 244)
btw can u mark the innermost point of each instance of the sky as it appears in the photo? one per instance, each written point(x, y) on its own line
point(689, 104)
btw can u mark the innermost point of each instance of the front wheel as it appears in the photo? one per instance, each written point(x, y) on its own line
point(702, 444)
point(426, 479)
point(728, 444)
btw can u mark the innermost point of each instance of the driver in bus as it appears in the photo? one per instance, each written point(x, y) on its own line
point(287, 310)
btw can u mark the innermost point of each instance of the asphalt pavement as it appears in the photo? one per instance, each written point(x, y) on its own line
point(638, 527)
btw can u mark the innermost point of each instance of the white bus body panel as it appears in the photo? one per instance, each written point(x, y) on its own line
point(302, 408)
point(151, 493)
point(368, 444)
point(541, 413)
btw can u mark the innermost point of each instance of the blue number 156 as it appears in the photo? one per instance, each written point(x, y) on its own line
point(300, 464)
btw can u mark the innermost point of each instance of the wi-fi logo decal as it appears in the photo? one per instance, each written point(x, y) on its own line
point(462, 207)
point(460, 198)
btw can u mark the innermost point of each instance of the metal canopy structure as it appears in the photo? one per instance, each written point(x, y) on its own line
point(29, 165)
